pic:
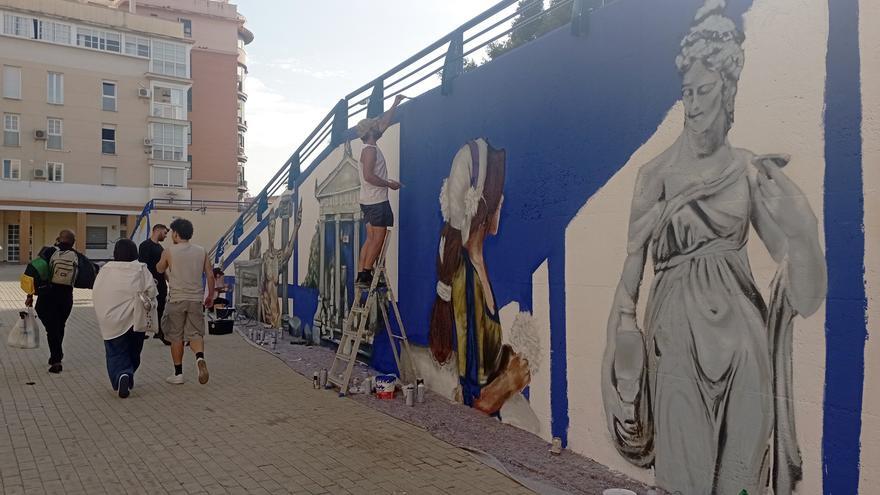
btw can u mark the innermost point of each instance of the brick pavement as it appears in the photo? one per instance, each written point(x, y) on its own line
point(257, 427)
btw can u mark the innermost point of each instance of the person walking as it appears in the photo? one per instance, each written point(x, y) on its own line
point(186, 264)
point(126, 307)
point(378, 215)
point(55, 295)
point(149, 253)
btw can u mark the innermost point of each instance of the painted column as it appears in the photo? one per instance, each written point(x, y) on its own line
point(337, 268)
point(285, 240)
point(24, 237)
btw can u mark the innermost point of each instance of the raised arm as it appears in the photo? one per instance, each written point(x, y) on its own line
point(288, 250)
point(388, 116)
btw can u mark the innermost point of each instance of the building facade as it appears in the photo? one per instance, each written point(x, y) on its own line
point(95, 122)
point(217, 101)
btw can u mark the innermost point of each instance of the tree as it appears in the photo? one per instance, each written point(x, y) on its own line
point(526, 27)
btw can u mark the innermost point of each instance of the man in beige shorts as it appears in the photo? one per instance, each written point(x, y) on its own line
point(184, 318)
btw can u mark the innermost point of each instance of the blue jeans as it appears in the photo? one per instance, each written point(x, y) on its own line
point(124, 355)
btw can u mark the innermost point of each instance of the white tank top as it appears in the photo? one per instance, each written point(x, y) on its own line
point(370, 194)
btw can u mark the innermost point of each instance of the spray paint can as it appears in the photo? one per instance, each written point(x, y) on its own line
point(408, 395)
point(556, 446)
point(323, 378)
point(420, 391)
point(368, 385)
point(315, 381)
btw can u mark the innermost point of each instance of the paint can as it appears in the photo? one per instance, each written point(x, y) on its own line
point(316, 381)
point(385, 386)
point(323, 378)
point(420, 391)
point(556, 446)
point(408, 395)
point(368, 385)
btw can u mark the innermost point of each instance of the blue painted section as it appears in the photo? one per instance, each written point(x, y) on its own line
point(558, 354)
point(845, 323)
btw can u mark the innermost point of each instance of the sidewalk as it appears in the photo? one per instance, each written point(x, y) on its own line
point(256, 427)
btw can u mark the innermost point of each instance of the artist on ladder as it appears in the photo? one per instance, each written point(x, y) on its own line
point(374, 191)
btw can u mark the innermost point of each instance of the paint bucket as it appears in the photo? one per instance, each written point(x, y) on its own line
point(408, 393)
point(618, 491)
point(385, 386)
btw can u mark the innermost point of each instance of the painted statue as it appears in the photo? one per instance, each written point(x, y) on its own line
point(274, 262)
point(465, 322)
point(703, 393)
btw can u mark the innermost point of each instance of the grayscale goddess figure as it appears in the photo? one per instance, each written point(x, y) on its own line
point(703, 393)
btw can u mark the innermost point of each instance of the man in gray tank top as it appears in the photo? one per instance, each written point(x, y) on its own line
point(184, 318)
point(374, 191)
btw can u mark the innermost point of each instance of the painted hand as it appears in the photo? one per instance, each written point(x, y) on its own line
point(783, 199)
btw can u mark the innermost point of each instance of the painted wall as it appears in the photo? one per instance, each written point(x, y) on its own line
point(578, 118)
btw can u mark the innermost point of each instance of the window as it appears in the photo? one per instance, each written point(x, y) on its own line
point(108, 176)
point(54, 172)
point(96, 238)
point(99, 40)
point(54, 32)
point(53, 134)
point(11, 82)
point(55, 88)
point(108, 140)
point(187, 27)
point(16, 25)
point(108, 96)
point(13, 243)
point(169, 103)
point(240, 112)
point(11, 129)
point(189, 134)
point(240, 141)
point(189, 167)
point(189, 100)
point(169, 59)
point(137, 46)
point(169, 177)
point(168, 142)
point(11, 169)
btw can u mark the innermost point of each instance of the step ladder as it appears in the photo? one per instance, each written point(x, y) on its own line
point(354, 328)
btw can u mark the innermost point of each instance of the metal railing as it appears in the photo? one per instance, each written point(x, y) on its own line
point(435, 65)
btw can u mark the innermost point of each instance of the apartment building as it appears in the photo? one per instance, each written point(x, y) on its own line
point(217, 112)
point(95, 122)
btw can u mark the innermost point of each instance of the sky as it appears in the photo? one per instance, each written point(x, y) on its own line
point(306, 55)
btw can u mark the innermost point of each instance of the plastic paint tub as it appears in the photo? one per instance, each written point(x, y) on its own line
point(385, 386)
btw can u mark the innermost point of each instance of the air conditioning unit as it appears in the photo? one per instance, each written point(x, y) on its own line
point(40, 173)
point(40, 135)
point(148, 142)
point(144, 92)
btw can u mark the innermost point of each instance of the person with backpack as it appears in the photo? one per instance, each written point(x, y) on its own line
point(52, 276)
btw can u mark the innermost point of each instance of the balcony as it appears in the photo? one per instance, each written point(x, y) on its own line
point(242, 125)
point(241, 156)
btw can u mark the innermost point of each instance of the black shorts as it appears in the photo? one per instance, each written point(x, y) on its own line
point(379, 214)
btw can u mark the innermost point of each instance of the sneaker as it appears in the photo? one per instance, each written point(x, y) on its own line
point(55, 368)
point(124, 385)
point(175, 379)
point(203, 370)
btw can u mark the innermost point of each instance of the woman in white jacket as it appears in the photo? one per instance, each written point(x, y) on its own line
point(125, 302)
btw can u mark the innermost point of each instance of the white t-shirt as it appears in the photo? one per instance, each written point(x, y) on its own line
point(370, 194)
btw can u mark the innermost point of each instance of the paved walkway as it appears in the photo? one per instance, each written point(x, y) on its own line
point(257, 427)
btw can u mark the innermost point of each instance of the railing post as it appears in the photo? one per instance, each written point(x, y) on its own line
point(454, 64)
point(238, 231)
point(376, 106)
point(580, 18)
point(340, 123)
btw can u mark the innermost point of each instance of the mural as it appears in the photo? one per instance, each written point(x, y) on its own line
point(335, 247)
point(701, 391)
point(715, 359)
point(273, 261)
